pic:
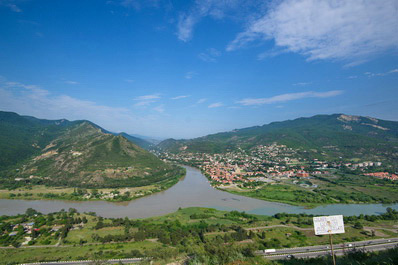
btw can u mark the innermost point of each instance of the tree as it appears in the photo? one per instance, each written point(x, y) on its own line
point(358, 225)
point(31, 212)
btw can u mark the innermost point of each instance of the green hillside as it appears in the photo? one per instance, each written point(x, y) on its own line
point(22, 137)
point(78, 154)
point(326, 136)
point(138, 141)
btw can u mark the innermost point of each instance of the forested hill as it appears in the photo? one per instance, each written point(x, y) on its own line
point(77, 153)
point(138, 141)
point(336, 135)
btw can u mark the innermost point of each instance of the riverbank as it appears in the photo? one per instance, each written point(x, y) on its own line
point(316, 191)
point(194, 190)
point(41, 192)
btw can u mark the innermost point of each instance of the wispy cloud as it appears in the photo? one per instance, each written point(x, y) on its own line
point(345, 30)
point(370, 74)
point(71, 82)
point(41, 103)
point(215, 105)
point(271, 53)
point(11, 4)
point(185, 26)
point(146, 100)
point(215, 9)
point(130, 80)
point(148, 97)
point(180, 97)
point(10, 84)
point(302, 84)
point(202, 100)
point(190, 74)
point(139, 4)
point(210, 55)
point(159, 108)
point(289, 97)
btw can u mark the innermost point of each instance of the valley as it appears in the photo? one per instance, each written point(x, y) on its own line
point(307, 161)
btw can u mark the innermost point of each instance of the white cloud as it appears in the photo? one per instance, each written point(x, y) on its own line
point(210, 55)
point(185, 27)
point(202, 100)
point(148, 97)
point(216, 9)
point(180, 97)
point(144, 103)
point(190, 74)
point(72, 82)
point(348, 30)
point(9, 84)
point(11, 5)
point(38, 102)
point(159, 108)
point(146, 100)
point(302, 84)
point(215, 105)
point(370, 74)
point(289, 97)
point(139, 4)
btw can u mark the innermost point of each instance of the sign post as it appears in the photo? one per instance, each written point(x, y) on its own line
point(329, 225)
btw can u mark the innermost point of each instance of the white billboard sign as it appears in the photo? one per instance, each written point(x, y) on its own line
point(326, 225)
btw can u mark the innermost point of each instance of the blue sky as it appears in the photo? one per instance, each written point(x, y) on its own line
point(184, 69)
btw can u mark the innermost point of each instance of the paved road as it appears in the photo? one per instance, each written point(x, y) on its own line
point(89, 262)
point(300, 252)
point(340, 249)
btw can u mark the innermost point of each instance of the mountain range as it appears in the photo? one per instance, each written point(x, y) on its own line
point(74, 153)
point(333, 136)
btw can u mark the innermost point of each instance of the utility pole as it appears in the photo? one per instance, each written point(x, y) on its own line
point(331, 249)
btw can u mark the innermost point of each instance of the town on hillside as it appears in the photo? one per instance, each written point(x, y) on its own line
point(267, 164)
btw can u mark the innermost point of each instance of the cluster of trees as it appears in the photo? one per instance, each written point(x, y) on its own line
point(390, 214)
point(171, 232)
point(42, 226)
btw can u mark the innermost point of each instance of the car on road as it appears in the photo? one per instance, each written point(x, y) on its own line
point(267, 251)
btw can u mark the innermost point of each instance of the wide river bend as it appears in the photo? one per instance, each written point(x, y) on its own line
point(193, 190)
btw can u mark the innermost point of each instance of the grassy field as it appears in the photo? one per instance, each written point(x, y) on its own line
point(61, 193)
point(331, 189)
point(202, 233)
point(100, 251)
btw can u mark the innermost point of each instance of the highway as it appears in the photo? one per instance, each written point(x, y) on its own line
point(287, 253)
point(340, 249)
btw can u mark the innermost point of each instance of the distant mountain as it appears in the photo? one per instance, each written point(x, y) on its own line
point(77, 153)
point(330, 136)
point(136, 140)
point(152, 140)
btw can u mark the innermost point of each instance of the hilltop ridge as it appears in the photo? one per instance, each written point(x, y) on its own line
point(330, 136)
point(74, 153)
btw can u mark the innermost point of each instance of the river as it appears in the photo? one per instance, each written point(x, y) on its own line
point(193, 190)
